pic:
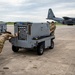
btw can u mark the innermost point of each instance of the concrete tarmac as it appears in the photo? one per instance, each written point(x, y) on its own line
point(59, 61)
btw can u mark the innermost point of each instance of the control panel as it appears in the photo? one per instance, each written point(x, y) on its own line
point(22, 32)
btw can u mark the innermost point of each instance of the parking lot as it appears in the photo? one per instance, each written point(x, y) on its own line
point(59, 61)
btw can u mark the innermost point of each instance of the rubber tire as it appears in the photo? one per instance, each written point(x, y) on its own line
point(40, 49)
point(52, 44)
point(15, 49)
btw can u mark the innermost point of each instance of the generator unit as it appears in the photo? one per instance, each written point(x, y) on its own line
point(3, 27)
point(32, 35)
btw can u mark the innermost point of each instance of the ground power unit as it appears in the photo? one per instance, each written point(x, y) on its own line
point(32, 35)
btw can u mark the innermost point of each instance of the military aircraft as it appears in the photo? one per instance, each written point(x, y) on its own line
point(64, 20)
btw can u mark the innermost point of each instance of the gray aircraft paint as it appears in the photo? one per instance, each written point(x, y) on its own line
point(64, 20)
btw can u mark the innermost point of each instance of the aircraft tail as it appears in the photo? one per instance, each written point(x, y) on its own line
point(50, 14)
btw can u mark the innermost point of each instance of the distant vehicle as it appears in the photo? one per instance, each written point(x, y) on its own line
point(3, 27)
point(64, 20)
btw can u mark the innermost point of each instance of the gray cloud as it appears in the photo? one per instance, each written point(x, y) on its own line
point(34, 10)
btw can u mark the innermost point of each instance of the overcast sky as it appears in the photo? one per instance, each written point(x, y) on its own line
point(34, 10)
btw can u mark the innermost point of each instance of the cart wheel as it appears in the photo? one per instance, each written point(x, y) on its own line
point(52, 44)
point(14, 48)
point(40, 49)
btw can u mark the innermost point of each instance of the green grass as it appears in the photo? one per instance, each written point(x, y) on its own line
point(59, 24)
point(10, 23)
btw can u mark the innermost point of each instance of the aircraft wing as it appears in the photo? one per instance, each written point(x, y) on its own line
point(66, 18)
